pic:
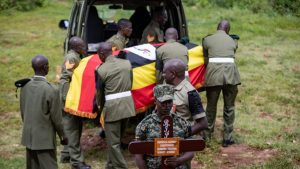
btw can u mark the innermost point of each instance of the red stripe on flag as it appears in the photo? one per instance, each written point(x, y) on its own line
point(88, 87)
point(143, 98)
point(197, 76)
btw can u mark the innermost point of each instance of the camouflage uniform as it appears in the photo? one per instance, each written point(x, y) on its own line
point(150, 127)
point(118, 41)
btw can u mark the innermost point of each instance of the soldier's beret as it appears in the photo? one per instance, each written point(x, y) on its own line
point(22, 82)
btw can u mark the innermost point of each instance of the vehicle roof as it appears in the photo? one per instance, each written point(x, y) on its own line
point(129, 3)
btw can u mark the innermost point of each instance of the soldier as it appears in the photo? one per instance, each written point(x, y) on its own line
point(150, 128)
point(221, 75)
point(153, 33)
point(114, 85)
point(120, 39)
point(187, 101)
point(171, 49)
point(41, 116)
point(72, 124)
point(186, 98)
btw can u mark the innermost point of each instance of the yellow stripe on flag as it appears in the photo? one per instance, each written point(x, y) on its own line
point(73, 98)
point(143, 76)
point(195, 57)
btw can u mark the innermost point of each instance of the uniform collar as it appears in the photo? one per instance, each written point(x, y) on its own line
point(221, 31)
point(180, 85)
point(37, 77)
point(171, 41)
point(153, 22)
point(73, 52)
point(157, 118)
point(109, 58)
point(120, 36)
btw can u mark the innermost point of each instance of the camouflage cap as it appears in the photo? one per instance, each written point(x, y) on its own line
point(163, 92)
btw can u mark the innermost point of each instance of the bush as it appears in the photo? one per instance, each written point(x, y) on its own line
point(267, 6)
point(202, 3)
point(286, 6)
point(5, 4)
point(22, 5)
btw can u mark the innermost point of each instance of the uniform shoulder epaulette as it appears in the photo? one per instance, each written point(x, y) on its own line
point(206, 36)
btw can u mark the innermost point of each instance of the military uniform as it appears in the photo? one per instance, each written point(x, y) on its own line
point(221, 75)
point(72, 124)
point(41, 116)
point(149, 128)
point(153, 28)
point(170, 50)
point(188, 102)
point(118, 41)
point(116, 77)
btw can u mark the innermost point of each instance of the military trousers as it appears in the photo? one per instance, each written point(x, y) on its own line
point(65, 152)
point(73, 130)
point(229, 94)
point(41, 159)
point(114, 132)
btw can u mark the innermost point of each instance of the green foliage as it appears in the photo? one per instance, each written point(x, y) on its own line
point(267, 106)
point(286, 6)
point(22, 5)
point(267, 6)
point(26, 5)
point(202, 3)
point(5, 4)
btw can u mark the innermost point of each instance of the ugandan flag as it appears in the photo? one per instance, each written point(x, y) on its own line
point(80, 97)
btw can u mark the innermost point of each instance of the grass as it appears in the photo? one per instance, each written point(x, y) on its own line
point(267, 106)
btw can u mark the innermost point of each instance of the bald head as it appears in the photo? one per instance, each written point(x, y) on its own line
point(224, 25)
point(77, 44)
point(174, 71)
point(104, 50)
point(40, 65)
point(171, 33)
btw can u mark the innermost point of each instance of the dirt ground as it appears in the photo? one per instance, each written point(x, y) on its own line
point(234, 156)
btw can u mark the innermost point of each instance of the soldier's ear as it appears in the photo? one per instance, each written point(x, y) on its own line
point(173, 74)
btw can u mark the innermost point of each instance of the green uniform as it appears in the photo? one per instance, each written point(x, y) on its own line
point(188, 103)
point(72, 124)
point(154, 29)
point(184, 94)
point(170, 50)
point(118, 40)
point(41, 116)
point(221, 75)
point(116, 77)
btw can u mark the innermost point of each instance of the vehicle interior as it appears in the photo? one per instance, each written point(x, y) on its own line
point(96, 20)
